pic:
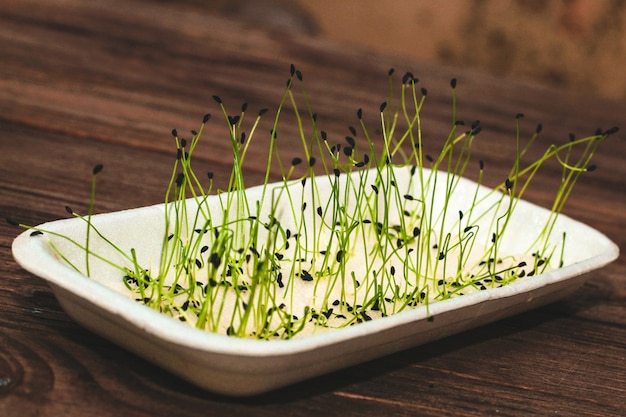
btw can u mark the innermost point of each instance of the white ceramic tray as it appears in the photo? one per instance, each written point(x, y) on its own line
point(235, 366)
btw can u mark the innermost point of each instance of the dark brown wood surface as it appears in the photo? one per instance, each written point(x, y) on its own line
point(83, 83)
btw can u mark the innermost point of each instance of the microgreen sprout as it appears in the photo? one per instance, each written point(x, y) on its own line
point(356, 229)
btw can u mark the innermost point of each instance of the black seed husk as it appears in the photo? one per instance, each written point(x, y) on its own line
point(97, 169)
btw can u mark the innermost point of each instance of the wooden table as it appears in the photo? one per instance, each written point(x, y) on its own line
point(83, 83)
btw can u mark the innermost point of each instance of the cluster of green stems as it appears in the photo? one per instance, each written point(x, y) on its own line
point(353, 231)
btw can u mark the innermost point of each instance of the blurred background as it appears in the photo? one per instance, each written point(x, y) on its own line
point(570, 44)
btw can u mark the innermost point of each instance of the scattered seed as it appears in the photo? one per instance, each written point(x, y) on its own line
point(306, 275)
point(215, 260)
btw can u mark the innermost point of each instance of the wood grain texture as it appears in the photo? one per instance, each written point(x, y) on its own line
point(84, 83)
